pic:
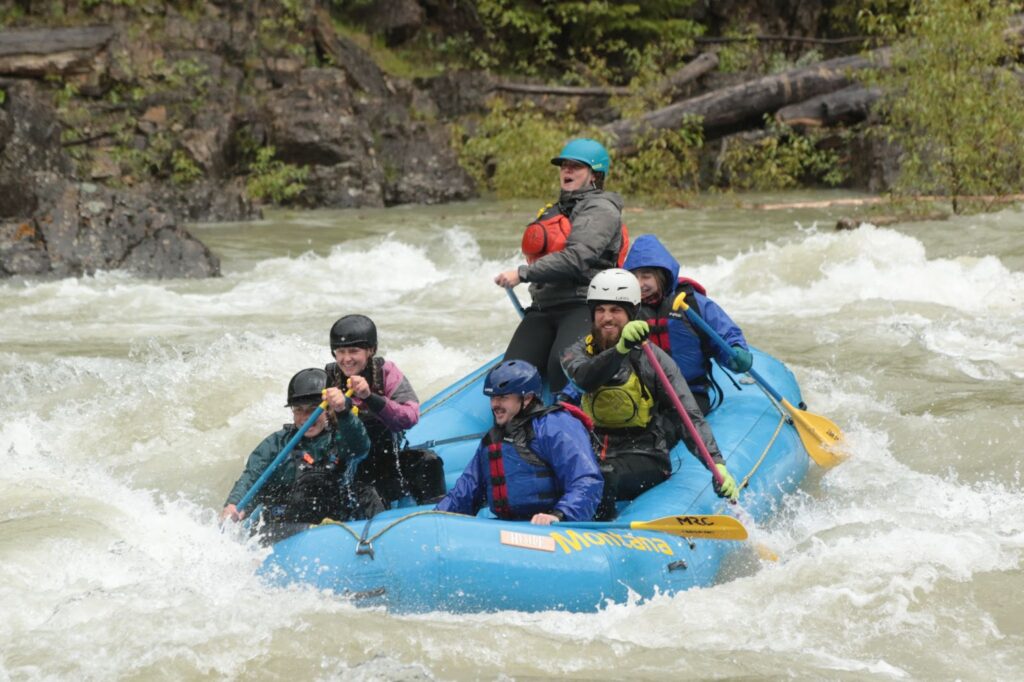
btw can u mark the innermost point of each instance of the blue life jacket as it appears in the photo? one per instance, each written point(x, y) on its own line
point(516, 481)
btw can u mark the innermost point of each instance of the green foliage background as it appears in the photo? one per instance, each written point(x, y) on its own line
point(951, 103)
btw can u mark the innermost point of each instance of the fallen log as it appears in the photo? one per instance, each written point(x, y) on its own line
point(693, 70)
point(848, 223)
point(869, 201)
point(562, 90)
point(827, 203)
point(38, 52)
point(849, 105)
point(745, 104)
point(718, 40)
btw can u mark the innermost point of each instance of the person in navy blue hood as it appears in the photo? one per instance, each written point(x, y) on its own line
point(537, 463)
point(660, 284)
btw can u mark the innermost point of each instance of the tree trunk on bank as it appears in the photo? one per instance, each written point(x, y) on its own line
point(744, 105)
point(846, 106)
point(700, 65)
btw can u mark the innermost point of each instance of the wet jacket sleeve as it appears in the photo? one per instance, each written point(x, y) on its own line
point(719, 320)
point(259, 459)
point(589, 372)
point(667, 408)
point(351, 438)
point(596, 225)
point(563, 442)
point(399, 407)
point(469, 493)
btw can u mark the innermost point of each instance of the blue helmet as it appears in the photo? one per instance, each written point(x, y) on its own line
point(585, 150)
point(513, 376)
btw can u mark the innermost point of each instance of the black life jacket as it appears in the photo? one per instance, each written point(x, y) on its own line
point(383, 442)
point(316, 491)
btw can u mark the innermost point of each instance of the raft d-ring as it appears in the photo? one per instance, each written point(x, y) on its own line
point(364, 547)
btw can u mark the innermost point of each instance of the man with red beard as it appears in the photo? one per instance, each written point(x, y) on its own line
point(633, 416)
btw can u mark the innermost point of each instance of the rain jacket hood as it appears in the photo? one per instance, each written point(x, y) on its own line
point(648, 252)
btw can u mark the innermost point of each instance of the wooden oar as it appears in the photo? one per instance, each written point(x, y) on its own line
point(708, 526)
point(822, 439)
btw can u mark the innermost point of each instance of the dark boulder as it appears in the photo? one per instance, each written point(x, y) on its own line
point(29, 145)
point(397, 21)
point(87, 228)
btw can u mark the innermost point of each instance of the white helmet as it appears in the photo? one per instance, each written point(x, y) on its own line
point(616, 286)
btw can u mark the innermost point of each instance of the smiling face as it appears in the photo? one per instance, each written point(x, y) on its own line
point(505, 407)
point(574, 175)
point(351, 360)
point(650, 283)
point(609, 319)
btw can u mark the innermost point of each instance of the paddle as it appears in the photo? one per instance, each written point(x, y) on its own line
point(428, 444)
point(822, 439)
point(247, 498)
point(702, 449)
point(515, 302)
point(709, 526)
point(762, 551)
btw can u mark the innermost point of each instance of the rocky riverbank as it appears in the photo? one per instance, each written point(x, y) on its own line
point(112, 135)
point(119, 122)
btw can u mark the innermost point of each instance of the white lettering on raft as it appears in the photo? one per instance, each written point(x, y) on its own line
point(541, 543)
point(576, 542)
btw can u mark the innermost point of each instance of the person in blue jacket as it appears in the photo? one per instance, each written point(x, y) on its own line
point(673, 332)
point(536, 463)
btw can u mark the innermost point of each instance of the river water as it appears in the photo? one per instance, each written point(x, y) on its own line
point(127, 408)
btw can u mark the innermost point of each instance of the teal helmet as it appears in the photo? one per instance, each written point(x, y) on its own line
point(585, 150)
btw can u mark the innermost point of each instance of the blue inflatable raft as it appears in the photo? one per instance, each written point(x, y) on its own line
point(416, 560)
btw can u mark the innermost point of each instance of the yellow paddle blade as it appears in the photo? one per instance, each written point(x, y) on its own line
point(714, 526)
point(822, 439)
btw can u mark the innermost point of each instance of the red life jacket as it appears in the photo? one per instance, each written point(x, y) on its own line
point(549, 233)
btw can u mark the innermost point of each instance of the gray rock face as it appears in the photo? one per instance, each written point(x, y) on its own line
point(55, 226)
point(88, 228)
point(360, 150)
point(29, 145)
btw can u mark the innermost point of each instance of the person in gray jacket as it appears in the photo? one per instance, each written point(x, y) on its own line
point(566, 245)
point(634, 417)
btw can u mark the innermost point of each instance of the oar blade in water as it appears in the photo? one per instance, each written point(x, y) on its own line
point(822, 439)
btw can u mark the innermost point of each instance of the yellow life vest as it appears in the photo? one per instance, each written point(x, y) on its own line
point(628, 405)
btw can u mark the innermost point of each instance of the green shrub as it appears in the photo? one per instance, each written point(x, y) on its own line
point(274, 179)
point(955, 111)
point(509, 153)
point(665, 169)
point(184, 171)
point(781, 159)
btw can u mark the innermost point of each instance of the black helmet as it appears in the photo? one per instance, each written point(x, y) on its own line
point(357, 331)
point(307, 387)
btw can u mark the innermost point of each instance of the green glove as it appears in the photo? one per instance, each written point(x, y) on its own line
point(633, 334)
point(741, 360)
point(728, 488)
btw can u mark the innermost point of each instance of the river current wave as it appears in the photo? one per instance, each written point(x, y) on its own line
point(127, 408)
